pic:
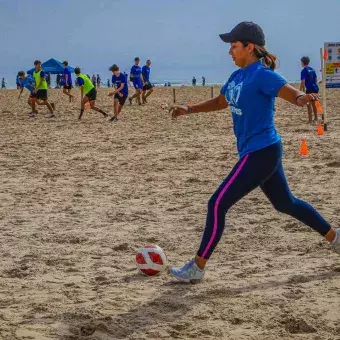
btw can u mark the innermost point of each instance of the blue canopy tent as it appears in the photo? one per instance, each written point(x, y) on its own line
point(52, 66)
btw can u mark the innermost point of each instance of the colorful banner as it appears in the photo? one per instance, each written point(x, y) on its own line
point(332, 65)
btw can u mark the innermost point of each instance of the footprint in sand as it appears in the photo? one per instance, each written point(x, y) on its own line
point(334, 164)
point(295, 326)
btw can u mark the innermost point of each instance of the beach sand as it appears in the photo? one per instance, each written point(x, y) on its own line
point(78, 198)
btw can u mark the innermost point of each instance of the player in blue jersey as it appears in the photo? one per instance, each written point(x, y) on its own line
point(28, 83)
point(67, 81)
point(137, 81)
point(250, 93)
point(121, 92)
point(309, 84)
point(147, 88)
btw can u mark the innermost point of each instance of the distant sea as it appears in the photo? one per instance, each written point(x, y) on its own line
point(176, 78)
point(11, 84)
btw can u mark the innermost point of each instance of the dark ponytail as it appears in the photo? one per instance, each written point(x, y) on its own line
point(269, 59)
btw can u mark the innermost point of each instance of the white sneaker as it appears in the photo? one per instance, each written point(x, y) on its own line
point(189, 273)
point(336, 242)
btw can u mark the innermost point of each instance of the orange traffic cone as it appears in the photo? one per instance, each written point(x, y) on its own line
point(318, 106)
point(320, 129)
point(304, 149)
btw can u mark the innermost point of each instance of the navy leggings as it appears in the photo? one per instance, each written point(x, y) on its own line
point(260, 168)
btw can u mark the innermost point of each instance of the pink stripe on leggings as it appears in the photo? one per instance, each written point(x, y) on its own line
point(232, 179)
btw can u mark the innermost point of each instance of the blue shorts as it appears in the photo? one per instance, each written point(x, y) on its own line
point(138, 85)
point(312, 91)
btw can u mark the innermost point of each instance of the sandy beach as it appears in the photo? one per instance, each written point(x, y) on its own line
point(79, 198)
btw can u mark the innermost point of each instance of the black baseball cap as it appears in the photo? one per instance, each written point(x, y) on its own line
point(246, 31)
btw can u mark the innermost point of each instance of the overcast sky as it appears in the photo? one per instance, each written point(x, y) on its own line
point(179, 36)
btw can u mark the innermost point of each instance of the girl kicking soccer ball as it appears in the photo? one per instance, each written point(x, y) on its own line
point(250, 92)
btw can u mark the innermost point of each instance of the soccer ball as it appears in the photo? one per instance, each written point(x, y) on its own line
point(151, 260)
point(164, 106)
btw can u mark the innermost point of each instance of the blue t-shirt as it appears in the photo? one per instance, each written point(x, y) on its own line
point(146, 73)
point(117, 81)
point(67, 72)
point(28, 83)
point(136, 71)
point(309, 76)
point(250, 93)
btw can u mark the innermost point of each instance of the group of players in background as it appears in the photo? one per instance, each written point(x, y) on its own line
point(38, 88)
point(139, 77)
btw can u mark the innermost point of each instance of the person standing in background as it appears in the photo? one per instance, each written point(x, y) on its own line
point(99, 81)
point(203, 81)
point(48, 79)
point(194, 81)
point(67, 81)
point(309, 84)
point(58, 78)
point(94, 81)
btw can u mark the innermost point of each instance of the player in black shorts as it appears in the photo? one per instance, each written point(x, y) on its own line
point(67, 81)
point(121, 92)
point(147, 88)
point(88, 92)
point(309, 84)
point(39, 95)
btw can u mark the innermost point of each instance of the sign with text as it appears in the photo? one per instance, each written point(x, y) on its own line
point(332, 65)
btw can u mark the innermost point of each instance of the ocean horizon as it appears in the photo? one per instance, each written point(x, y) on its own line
point(11, 81)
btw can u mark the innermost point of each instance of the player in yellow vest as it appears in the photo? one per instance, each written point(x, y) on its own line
point(39, 95)
point(88, 92)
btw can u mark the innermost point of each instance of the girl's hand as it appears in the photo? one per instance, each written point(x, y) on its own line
point(303, 100)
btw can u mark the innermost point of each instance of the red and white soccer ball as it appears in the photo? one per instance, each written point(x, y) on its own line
point(151, 260)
